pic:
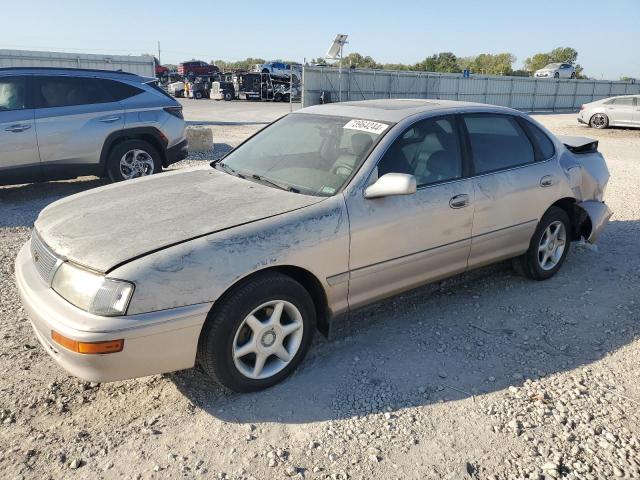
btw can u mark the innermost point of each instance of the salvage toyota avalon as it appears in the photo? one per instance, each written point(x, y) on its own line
point(237, 264)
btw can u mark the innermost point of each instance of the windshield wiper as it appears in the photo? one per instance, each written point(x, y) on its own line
point(227, 169)
point(286, 188)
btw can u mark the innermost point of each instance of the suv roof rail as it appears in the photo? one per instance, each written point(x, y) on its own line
point(68, 69)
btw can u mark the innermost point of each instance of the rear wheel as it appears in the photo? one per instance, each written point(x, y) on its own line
point(556, 75)
point(228, 97)
point(573, 75)
point(133, 159)
point(258, 333)
point(599, 120)
point(548, 248)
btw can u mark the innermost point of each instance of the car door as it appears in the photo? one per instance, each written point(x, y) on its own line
point(74, 116)
point(621, 110)
point(513, 182)
point(400, 242)
point(19, 159)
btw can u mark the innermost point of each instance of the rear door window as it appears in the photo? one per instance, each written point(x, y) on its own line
point(13, 93)
point(64, 91)
point(497, 142)
point(546, 150)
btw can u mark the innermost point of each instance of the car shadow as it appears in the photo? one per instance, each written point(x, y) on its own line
point(473, 334)
point(21, 204)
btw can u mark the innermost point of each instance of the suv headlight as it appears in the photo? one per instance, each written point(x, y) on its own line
point(92, 292)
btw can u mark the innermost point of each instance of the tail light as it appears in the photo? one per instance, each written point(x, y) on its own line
point(175, 111)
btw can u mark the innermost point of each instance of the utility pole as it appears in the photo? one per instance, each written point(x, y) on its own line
point(159, 61)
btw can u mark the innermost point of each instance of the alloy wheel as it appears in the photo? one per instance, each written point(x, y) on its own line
point(552, 245)
point(268, 339)
point(136, 163)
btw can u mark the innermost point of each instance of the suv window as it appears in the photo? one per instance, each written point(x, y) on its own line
point(497, 142)
point(118, 90)
point(13, 93)
point(429, 150)
point(59, 91)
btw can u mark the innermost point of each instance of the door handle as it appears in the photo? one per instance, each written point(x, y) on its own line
point(109, 119)
point(546, 181)
point(459, 201)
point(18, 128)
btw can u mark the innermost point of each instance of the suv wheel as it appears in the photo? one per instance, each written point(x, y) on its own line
point(133, 159)
point(258, 333)
point(228, 97)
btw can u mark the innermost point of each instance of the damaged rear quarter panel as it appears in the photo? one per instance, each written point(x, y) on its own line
point(315, 238)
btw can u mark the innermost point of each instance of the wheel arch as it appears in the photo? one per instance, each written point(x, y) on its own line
point(580, 221)
point(150, 135)
point(304, 277)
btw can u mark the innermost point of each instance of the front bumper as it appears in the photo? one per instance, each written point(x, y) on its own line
point(156, 342)
point(178, 152)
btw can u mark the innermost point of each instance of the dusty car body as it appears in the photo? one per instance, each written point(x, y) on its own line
point(622, 111)
point(379, 233)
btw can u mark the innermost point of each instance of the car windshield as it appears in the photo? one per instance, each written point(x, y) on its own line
point(305, 153)
point(551, 66)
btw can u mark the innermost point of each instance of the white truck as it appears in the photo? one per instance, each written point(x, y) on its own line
point(142, 65)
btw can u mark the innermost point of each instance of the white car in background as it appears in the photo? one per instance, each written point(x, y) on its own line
point(623, 111)
point(280, 69)
point(556, 70)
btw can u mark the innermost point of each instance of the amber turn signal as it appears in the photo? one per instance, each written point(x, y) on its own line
point(110, 346)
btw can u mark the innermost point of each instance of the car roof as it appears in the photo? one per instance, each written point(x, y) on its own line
point(395, 110)
point(82, 72)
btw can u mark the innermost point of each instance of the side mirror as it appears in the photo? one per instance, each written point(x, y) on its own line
point(392, 184)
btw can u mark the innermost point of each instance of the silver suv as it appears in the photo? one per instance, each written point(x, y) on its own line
point(58, 123)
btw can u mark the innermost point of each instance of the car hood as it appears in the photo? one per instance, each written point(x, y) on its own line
point(105, 227)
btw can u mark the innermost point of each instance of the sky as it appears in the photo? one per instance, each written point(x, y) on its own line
point(606, 34)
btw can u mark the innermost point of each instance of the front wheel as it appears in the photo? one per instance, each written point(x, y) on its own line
point(133, 159)
point(258, 333)
point(548, 248)
point(599, 120)
point(573, 75)
point(556, 75)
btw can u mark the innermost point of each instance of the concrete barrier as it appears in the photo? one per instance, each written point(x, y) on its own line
point(200, 138)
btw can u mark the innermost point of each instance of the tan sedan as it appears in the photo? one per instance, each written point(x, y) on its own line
point(326, 210)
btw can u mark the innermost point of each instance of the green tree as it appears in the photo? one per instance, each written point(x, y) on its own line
point(557, 55)
point(445, 62)
point(628, 79)
point(359, 61)
point(489, 64)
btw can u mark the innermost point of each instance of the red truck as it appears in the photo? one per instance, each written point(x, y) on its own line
point(195, 68)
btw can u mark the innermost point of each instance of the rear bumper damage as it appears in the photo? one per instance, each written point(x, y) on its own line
point(598, 215)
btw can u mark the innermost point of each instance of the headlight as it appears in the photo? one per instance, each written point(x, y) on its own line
point(91, 292)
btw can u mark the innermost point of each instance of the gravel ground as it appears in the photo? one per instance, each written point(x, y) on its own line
point(484, 376)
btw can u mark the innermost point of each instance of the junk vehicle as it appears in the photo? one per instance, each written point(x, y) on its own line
point(328, 209)
point(222, 91)
point(176, 89)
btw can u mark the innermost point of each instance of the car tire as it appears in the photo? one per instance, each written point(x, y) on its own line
point(573, 75)
point(198, 95)
point(146, 155)
point(228, 97)
point(548, 248)
point(286, 97)
point(277, 97)
point(556, 75)
point(599, 120)
point(229, 331)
